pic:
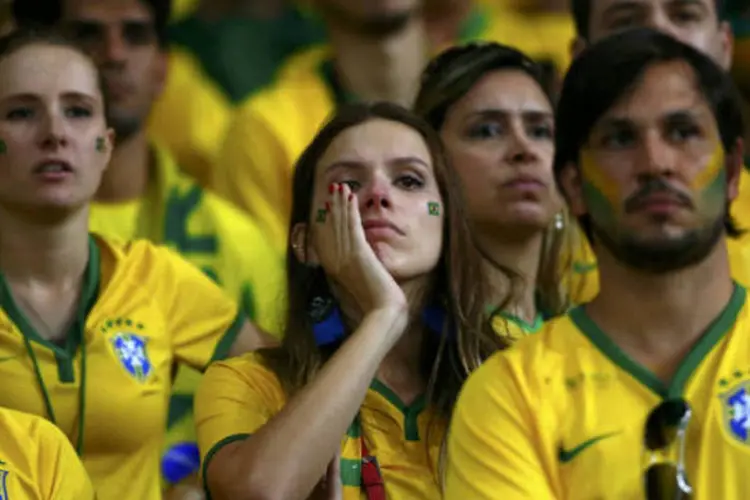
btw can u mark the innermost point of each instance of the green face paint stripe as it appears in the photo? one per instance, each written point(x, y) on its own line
point(599, 206)
point(3, 147)
point(433, 208)
point(321, 217)
point(100, 144)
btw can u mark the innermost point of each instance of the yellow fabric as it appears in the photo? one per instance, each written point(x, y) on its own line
point(191, 116)
point(523, 417)
point(240, 395)
point(214, 236)
point(117, 220)
point(585, 277)
point(152, 310)
point(271, 129)
point(181, 8)
point(37, 461)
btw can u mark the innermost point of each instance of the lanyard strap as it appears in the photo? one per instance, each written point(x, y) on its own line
point(372, 480)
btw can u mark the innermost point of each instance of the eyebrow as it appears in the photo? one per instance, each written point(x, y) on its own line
point(679, 115)
point(536, 115)
point(69, 95)
point(633, 4)
point(362, 165)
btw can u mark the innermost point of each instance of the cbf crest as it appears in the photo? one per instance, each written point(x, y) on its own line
point(736, 409)
point(132, 351)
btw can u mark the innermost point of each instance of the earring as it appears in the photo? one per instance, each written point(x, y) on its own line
point(559, 221)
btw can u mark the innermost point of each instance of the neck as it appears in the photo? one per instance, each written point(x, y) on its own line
point(521, 256)
point(394, 63)
point(44, 252)
point(126, 176)
point(444, 21)
point(661, 314)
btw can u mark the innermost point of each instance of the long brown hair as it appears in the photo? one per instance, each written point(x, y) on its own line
point(457, 282)
point(448, 78)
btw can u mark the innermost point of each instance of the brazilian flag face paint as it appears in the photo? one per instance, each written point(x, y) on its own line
point(433, 208)
point(710, 184)
point(101, 144)
point(601, 193)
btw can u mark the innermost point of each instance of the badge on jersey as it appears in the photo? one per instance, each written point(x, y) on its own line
point(3, 485)
point(736, 409)
point(133, 355)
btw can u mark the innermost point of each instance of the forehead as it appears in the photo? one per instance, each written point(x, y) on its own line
point(511, 90)
point(663, 89)
point(47, 69)
point(600, 8)
point(109, 10)
point(376, 141)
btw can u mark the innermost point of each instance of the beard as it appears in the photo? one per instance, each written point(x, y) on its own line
point(125, 125)
point(660, 257)
point(372, 26)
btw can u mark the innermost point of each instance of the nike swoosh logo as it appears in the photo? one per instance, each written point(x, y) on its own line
point(568, 455)
point(583, 267)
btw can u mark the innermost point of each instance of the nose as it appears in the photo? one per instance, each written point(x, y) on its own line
point(376, 195)
point(660, 21)
point(520, 149)
point(54, 134)
point(114, 47)
point(657, 158)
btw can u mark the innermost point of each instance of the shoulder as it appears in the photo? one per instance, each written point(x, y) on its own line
point(248, 376)
point(19, 426)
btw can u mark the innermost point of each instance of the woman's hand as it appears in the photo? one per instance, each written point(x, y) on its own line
point(348, 258)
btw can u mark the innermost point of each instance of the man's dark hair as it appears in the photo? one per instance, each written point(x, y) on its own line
point(610, 69)
point(47, 13)
point(581, 12)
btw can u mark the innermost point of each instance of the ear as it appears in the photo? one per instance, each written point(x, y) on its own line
point(109, 141)
point(577, 46)
point(302, 245)
point(572, 191)
point(727, 45)
point(160, 72)
point(734, 165)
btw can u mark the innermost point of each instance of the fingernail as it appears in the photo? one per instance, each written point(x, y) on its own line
point(341, 187)
point(351, 196)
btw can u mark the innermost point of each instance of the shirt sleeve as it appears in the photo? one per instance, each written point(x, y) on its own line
point(202, 319)
point(491, 444)
point(235, 398)
point(66, 475)
point(253, 173)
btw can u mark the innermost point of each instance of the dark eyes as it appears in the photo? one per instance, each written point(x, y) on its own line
point(406, 181)
point(27, 112)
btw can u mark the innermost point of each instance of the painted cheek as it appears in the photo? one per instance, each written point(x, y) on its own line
point(710, 183)
point(600, 192)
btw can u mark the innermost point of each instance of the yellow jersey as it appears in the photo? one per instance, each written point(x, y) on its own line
point(585, 276)
point(240, 395)
point(562, 414)
point(217, 238)
point(271, 129)
point(142, 309)
point(37, 461)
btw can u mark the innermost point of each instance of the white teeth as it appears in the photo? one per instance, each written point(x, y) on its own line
point(52, 167)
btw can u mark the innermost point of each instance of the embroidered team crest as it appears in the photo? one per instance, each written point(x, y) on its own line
point(736, 409)
point(132, 353)
point(3, 485)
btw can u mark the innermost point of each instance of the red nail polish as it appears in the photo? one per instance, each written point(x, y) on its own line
point(331, 188)
point(341, 187)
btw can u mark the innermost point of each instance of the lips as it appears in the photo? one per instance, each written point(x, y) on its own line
point(52, 167)
point(380, 227)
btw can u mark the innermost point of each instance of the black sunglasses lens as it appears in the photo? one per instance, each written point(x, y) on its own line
point(662, 483)
point(663, 422)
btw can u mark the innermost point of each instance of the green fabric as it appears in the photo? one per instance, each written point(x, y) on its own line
point(242, 54)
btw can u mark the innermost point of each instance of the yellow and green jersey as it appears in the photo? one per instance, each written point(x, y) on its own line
point(240, 395)
point(585, 277)
point(271, 129)
point(561, 415)
point(739, 13)
point(37, 461)
point(142, 310)
point(217, 238)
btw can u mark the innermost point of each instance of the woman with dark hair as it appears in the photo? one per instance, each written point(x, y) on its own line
point(495, 116)
point(386, 319)
point(90, 329)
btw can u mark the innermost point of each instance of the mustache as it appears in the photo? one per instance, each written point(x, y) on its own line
point(656, 186)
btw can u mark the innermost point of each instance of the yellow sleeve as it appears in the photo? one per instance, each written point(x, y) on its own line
point(491, 451)
point(61, 465)
point(235, 398)
point(202, 319)
point(253, 173)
